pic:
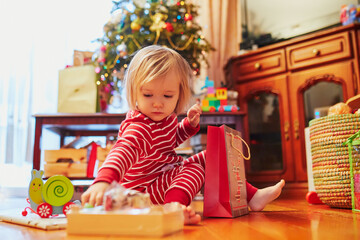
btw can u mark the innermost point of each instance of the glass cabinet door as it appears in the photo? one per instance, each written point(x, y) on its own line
point(311, 93)
point(316, 103)
point(267, 129)
point(264, 132)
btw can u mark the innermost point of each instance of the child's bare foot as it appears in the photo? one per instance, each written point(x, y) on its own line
point(190, 217)
point(266, 195)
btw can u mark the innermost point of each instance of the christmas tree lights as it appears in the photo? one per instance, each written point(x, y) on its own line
point(138, 23)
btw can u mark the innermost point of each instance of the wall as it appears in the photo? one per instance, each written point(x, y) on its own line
point(289, 18)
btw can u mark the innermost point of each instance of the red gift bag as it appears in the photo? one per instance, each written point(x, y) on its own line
point(225, 182)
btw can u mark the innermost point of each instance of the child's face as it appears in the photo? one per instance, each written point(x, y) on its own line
point(158, 99)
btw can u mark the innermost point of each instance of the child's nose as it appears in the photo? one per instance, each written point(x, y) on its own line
point(157, 104)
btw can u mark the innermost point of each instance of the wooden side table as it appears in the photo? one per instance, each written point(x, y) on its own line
point(102, 124)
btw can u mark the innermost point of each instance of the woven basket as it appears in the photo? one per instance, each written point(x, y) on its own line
point(331, 159)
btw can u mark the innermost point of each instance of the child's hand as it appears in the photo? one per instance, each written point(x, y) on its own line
point(193, 115)
point(94, 194)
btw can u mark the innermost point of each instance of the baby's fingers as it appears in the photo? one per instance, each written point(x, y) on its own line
point(99, 199)
point(85, 198)
point(96, 198)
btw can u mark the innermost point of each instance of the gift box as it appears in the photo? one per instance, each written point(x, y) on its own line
point(82, 57)
point(150, 222)
point(77, 90)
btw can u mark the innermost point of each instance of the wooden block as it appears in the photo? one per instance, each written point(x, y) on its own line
point(134, 222)
point(66, 169)
point(66, 155)
point(221, 93)
point(210, 90)
point(214, 103)
point(223, 102)
point(205, 103)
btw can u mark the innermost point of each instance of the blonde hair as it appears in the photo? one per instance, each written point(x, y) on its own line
point(152, 62)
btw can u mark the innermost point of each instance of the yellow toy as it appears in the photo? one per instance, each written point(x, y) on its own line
point(50, 198)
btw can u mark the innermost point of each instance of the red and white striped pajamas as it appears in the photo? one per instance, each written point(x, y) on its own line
point(144, 159)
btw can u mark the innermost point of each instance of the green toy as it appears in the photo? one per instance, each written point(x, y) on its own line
point(50, 198)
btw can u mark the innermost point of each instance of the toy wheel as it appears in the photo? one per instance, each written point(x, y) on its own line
point(67, 207)
point(221, 109)
point(212, 109)
point(234, 108)
point(44, 210)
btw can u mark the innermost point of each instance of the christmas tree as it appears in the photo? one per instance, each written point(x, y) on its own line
point(138, 23)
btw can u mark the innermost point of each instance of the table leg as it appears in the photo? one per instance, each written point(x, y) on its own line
point(238, 124)
point(37, 150)
point(62, 138)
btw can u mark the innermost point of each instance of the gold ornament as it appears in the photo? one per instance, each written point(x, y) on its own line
point(158, 22)
point(135, 26)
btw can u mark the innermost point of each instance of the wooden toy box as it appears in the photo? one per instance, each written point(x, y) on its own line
point(70, 162)
point(153, 222)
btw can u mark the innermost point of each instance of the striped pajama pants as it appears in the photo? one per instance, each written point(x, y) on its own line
point(186, 179)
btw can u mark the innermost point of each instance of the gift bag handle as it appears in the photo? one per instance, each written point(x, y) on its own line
point(232, 144)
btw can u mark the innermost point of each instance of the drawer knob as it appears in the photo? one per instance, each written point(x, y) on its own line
point(316, 52)
point(257, 66)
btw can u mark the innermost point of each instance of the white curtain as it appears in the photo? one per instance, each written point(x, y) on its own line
point(37, 39)
point(224, 33)
point(221, 24)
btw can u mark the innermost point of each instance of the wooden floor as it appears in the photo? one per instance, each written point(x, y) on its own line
point(289, 217)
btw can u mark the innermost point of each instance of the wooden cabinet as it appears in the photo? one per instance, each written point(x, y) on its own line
point(261, 65)
point(269, 140)
point(281, 87)
point(318, 51)
point(340, 74)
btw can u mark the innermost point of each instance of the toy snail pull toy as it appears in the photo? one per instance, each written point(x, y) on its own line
point(51, 198)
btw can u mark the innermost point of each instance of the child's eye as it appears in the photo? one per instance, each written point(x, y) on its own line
point(168, 96)
point(147, 95)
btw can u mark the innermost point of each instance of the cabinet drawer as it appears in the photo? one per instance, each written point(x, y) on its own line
point(318, 51)
point(259, 66)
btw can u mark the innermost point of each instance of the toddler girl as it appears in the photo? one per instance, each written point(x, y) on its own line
point(158, 84)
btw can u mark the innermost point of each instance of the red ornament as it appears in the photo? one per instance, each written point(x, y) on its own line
point(169, 27)
point(188, 17)
point(103, 105)
point(103, 48)
point(101, 60)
